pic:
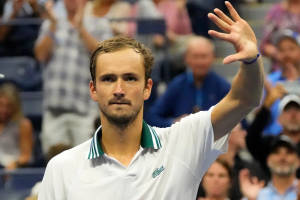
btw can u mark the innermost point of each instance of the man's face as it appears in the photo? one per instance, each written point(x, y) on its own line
point(289, 52)
point(199, 58)
point(120, 86)
point(283, 161)
point(290, 118)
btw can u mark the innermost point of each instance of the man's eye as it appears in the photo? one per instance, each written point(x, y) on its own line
point(131, 78)
point(107, 79)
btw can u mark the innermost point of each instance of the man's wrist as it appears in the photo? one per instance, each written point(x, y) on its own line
point(251, 60)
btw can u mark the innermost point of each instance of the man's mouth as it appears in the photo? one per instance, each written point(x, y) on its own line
point(119, 103)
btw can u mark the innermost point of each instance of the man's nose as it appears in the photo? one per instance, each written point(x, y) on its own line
point(119, 91)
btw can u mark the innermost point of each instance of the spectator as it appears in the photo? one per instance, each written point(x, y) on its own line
point(64, 45)
point(197, 89)
point(282, 15)
point(178, 25)
point(288, 44)
point(217, 181)
point(16, 138)
point(19, 35)
point(289, 118)
point(283, 162)
point(112, 9)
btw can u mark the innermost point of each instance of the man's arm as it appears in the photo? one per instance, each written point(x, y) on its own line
point(44, 45)
point(246, 89)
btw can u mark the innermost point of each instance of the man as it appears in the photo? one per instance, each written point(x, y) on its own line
point(128, 159)
point(289, 118)
point(283, 162)
point(64, 45)
point(197, 89)
point(288, 44)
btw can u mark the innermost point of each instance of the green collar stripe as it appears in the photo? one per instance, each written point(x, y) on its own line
point(149, 139)
point(156, 137)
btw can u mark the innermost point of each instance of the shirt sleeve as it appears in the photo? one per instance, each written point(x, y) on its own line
point(192, 141)
point(52, 187)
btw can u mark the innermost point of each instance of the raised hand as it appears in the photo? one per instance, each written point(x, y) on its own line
point(17, 5)
point(49, 11)
point(78, 18)
point(236, 31)
point(250, 186)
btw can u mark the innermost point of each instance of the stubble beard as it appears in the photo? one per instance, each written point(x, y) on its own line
point(121, 121)
point(283, 171)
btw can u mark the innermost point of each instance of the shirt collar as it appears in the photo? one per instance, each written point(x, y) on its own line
point(293, 187)
point(149, 139)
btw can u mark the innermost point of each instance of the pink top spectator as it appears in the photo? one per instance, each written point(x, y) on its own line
point(177, 20)
point(278, 18)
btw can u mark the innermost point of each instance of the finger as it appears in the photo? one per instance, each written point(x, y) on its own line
point(223, 16)
point(220, 23)
point(223, 36)
point(232, 11)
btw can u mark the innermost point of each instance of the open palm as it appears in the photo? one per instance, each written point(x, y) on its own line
point(236, 31)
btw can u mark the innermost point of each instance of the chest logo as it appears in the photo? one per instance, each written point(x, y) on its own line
point(157, 171)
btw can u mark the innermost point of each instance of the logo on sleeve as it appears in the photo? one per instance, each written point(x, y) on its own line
point(157, 171)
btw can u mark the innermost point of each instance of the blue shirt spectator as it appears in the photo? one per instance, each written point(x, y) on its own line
point(197, 89)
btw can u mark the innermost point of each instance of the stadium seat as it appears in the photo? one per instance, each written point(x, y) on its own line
point(22, 71)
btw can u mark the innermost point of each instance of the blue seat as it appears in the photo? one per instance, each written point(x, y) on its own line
point(151, 26)
point(23, 179)
point(22, 71)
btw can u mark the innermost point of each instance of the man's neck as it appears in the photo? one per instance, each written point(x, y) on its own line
point(199, 81)
point(122, 143)
point(283, 183)
point(295, 136)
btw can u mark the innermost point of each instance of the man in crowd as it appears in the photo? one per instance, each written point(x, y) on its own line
point(288, 44)
point(282, 162)
point(197, 89)
point(289, 118)
point(64, 45)
point(141, 161)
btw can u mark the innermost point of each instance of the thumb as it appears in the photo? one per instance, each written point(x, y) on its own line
point(232, 58)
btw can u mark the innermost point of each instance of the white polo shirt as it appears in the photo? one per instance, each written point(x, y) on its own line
point(169, 165)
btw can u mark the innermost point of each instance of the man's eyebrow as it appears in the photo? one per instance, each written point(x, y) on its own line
point(130, 74)
point(103, 75)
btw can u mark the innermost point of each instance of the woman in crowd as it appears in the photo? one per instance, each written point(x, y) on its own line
point(16, 138)
point(217, 181)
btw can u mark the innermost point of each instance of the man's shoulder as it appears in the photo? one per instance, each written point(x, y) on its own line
point(72, 156)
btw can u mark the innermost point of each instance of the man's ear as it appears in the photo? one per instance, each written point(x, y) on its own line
point(148, 88)
point(93, 92)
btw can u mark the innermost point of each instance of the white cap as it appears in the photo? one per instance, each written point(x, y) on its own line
point(288, 99)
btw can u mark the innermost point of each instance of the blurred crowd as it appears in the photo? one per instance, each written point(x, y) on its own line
point(262, 161)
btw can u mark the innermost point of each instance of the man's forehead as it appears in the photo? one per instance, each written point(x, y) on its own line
point(124, 60)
